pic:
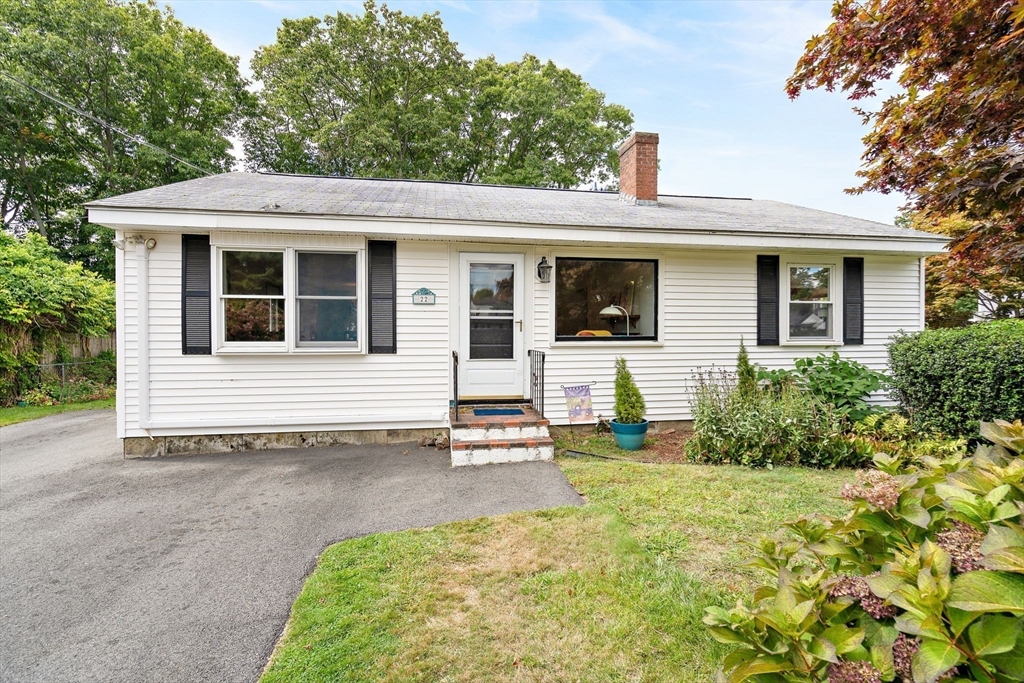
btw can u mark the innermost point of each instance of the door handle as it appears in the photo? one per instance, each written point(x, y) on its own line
point(520, 323)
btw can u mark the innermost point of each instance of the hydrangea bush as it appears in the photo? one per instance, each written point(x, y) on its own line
point(922, 581)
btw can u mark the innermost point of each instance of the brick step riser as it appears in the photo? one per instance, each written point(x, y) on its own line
point(497, 432)
point(489, 456)
point(482, 444)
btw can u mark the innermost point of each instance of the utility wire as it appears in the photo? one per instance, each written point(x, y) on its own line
point(136, 138)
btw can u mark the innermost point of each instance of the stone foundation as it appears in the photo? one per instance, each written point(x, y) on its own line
point(145, 447)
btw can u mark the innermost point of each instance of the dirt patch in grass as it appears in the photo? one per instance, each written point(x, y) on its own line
point(666, 446)
point(659, 447)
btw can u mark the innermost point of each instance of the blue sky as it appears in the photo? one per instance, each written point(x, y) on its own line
point(707, 76)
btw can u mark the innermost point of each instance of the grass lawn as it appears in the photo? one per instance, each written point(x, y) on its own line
point(696, 517)
point(611, 591)
point(9, 416)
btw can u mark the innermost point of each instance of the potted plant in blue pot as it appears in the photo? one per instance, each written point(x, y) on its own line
point(629, 425)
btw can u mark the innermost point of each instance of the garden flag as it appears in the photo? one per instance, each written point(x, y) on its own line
point(577, 401)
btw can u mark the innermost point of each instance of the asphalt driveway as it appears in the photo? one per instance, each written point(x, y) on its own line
point(184, 569)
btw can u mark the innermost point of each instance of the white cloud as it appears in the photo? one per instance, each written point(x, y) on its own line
point(596, 35)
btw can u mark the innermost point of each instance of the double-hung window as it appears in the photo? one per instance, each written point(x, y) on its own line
point(252, 297)
point(289, 299)
point(810, 291)
point(328, 313)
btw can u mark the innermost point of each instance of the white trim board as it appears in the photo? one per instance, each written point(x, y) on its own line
point(178, 221)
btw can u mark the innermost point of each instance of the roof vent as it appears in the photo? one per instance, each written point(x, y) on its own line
point(638, 169)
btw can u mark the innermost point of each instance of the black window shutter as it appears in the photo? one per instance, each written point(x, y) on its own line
point(767, 300)
point(195, 294)
point(853, 300)
point(383, 284)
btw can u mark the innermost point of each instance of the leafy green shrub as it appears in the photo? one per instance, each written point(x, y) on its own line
point(948, 380)
point(52, 392)
point(102, 368)
point(767, 428)
point(42, 297)
point(629, 402)
point(833, 379)
point(891, 432)
point(776, 380)
point(922, 581)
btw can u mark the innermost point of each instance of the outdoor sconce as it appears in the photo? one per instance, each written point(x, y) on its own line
point(131, 240)
point(544, 270)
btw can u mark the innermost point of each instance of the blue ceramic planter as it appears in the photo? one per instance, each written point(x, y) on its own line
point(629, 437)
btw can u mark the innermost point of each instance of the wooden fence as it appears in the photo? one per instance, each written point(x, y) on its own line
point(82, 347)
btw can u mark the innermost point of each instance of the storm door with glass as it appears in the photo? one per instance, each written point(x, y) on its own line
point(491, 326)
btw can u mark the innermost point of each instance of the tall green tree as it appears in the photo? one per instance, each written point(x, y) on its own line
point(951, 136)
point(532, 123)
point(128, 64)
point(380, 94)
point(390, 95)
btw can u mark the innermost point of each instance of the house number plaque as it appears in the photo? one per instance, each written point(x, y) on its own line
point(423, 296)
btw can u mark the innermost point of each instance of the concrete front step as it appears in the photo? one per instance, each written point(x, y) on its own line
point(484, 452)
point(484, 439)
point(491, 432)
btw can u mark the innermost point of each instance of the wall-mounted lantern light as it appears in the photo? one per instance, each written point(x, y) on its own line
point(544, 270)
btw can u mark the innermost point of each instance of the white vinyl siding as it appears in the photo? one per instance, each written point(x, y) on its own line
point(289, 392)
point(706, 304)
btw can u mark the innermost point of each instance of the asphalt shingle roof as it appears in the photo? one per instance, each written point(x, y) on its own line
point(373, 198)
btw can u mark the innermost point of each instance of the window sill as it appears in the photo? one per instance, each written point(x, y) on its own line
point(263, 350)
point(340, 350)
point(615, 344)
point(289, 352)
point(823, 342)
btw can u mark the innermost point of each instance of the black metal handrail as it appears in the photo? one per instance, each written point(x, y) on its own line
point(455, 385)
point(537, 380)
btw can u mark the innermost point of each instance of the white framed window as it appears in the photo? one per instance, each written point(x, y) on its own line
point(327, 301)
point(289, 300)
point(810, 314)
point(602, 299)
point(252, 299)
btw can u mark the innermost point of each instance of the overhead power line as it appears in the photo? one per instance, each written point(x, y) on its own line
point(135, 138)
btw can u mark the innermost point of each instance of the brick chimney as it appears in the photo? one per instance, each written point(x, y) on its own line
point(638, 169)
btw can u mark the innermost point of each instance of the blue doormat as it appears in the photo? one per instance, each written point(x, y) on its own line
point(498, 411)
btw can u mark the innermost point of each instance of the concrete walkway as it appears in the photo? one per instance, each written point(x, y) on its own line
point(184, 569)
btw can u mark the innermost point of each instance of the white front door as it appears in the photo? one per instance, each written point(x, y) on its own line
point(491, 354)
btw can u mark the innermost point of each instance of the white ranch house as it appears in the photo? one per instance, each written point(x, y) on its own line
point(264, 310)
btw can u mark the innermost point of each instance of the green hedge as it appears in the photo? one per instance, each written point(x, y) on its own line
point(950, 379)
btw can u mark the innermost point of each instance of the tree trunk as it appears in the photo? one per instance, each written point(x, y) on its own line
point(36, 216)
